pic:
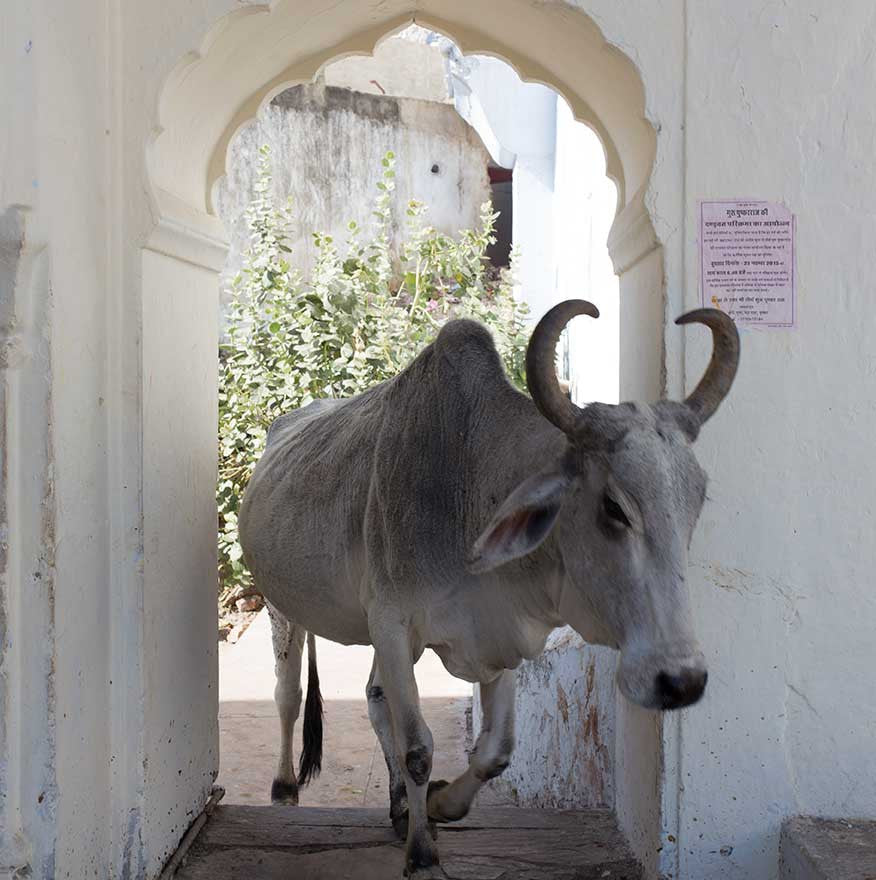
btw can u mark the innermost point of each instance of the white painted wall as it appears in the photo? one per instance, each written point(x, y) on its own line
point(521, 119)
point(180, 686)
point(783, 561)
point(564, 207)
point(746, 99)
point(585, 202)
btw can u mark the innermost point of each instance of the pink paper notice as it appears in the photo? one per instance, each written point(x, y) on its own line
point(747, 261)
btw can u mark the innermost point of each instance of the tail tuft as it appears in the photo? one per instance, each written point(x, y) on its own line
point(311, 755)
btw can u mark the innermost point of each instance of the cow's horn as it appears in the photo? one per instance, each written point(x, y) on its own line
point(541, 371)
point(719, 375)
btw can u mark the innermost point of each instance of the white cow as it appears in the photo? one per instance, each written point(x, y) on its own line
point(445, 509)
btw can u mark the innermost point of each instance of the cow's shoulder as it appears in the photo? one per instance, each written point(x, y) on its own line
point(464, 333)
point(469, 343)
point(465, 357)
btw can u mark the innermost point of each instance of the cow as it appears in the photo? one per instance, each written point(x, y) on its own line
point(445, 509)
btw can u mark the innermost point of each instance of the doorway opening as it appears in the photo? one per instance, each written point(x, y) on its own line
point(244, 62)
point(461, 130)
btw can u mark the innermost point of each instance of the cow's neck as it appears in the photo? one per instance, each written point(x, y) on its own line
point(544, 592)
point(526, 445)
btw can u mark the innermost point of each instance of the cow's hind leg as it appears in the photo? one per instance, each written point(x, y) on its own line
point(491, 754)
point(288, 639)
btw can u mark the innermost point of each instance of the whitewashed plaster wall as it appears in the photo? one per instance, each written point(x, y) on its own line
point(585, 202)
point(564, 208)
point(521, 118)
point(57, 535)
point(754, 99)
point(327, 144)
point(783, 562)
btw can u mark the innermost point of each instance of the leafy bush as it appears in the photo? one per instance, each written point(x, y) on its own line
point(358, 319)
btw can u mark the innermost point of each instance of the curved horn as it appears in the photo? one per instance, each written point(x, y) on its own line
point(713, 387)
point(541, 371)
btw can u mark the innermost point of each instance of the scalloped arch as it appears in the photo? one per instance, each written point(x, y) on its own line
point(252, 54)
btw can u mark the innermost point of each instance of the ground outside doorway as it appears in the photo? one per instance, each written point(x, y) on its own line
point(341, 828)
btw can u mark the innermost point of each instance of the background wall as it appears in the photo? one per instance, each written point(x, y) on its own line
point(327, 144)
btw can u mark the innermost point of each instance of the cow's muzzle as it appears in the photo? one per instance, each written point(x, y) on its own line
point(662, 680)
point(680, 689)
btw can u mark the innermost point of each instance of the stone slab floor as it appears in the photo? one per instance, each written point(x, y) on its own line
point(301, 843)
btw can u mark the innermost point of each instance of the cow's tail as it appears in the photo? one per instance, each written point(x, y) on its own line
point(311, 755)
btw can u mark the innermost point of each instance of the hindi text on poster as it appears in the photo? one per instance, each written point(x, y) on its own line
point(747, 261)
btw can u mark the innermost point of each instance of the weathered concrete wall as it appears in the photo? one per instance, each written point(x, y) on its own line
point(564, 716)
point(327, 144)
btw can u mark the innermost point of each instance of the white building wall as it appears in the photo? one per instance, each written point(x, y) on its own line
point(782, 562)
point(406, 65)
point(55, 583)
point(180, 687)
point(585, 202)
point(519, 120)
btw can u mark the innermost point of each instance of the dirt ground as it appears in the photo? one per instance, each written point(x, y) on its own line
point(354, 773)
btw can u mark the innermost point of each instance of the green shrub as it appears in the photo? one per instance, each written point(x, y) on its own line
point(358, 319)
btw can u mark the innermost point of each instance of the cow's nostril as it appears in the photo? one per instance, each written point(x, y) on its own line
point(682, 689)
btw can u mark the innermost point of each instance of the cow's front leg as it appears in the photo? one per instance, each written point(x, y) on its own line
point(381, 722)
point(491, 754)
point(413, 739)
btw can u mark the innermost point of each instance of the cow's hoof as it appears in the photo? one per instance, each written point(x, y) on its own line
point(423, 865)
point(284, 793)
point(437, 813)
point(400, 826)
point(400, 822)
point(433, 872)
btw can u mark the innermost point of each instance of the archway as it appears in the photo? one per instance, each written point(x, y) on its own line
point(246, 59)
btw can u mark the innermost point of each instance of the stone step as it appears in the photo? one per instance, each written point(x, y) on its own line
point(309, 843)
point(828, 849)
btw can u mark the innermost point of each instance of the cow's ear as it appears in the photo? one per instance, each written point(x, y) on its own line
point(521, 523)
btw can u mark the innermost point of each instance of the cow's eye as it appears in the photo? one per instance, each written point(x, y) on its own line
point(614, 511)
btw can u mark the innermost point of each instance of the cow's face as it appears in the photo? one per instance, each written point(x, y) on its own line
point(620, 507)
point(623, 533)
